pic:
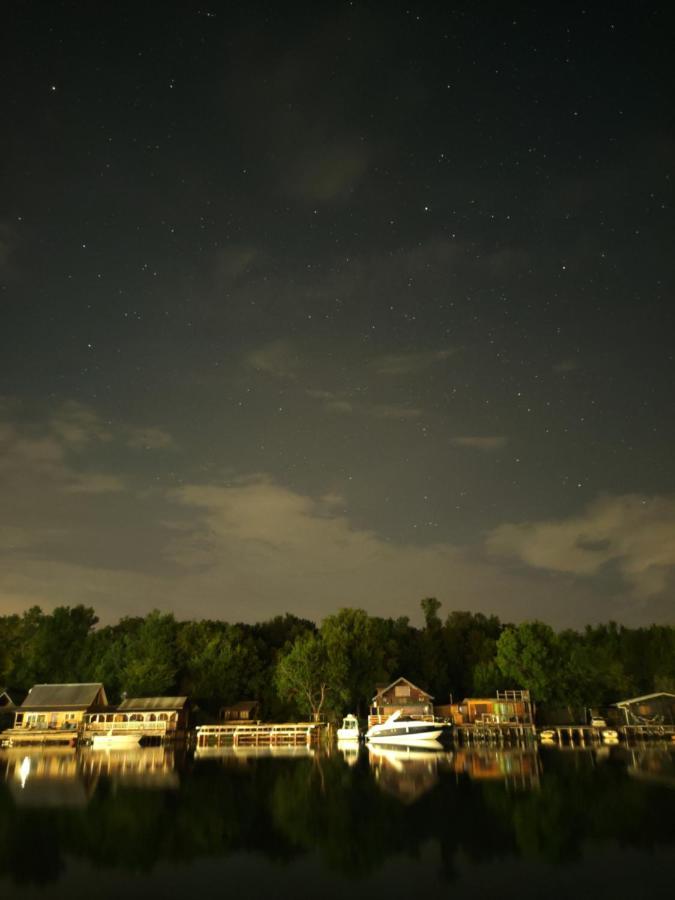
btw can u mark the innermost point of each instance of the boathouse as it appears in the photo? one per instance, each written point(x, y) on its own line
point(161, 717)
point(59, 707)
point(400, 696)
point(648, 710)
point(244, 711)
point(506, 707)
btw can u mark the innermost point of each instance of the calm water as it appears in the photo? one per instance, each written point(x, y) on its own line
point(146, 823)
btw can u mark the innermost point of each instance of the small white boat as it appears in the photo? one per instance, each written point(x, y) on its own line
point(349, 730)
point(112, 741)
point(405, 730)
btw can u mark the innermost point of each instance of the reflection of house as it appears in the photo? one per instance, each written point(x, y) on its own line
point(506, 707)
point(48, 778)
point(518, 768)
point(151, 716)
point(400, 696)
point(59, 707)
point(650, 709)
point(244, 711)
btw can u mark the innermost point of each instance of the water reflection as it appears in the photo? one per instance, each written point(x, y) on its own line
point(50, 779)
point(352, 810)
point(405, 773)
point(62, 776)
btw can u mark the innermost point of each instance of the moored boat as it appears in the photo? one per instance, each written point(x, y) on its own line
point(112, 741)
point(405, 730)
point(350, 729)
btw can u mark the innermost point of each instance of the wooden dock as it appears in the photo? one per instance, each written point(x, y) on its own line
point(495, 733)
point(581, 735)
point(287, 734)
point(41, 737)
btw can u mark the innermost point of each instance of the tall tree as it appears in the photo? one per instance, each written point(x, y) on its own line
point(302, 675)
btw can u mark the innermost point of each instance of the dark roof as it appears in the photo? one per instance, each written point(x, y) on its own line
point(646, 697)
point(407, 681)
point(243, 705)
point(145, 703)
point(63, 696)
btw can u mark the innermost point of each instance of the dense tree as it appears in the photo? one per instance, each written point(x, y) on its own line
point(355, 658)
point(150, 665)
point(529, 655)
point(214, 662)
point(302, 675)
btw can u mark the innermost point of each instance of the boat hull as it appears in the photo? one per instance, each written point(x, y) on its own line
point(114, 741)
point(410, 737)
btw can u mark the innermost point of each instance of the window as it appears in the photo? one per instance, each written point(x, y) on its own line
point(402, 690)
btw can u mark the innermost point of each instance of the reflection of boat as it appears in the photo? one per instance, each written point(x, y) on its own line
point(406, 772)
point(350, 751)
point(350, 729)
point(404, 730)
point(112, 741)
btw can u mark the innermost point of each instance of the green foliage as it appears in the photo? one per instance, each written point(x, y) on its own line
point(529, 656)
point(285, 661)
point(150, 665)
point(355, 658)
point(302, 675)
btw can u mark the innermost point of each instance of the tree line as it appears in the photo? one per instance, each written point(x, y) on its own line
point(296, 668)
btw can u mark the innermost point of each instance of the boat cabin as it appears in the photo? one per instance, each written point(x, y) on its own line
point(400, 696)
point(59, 707)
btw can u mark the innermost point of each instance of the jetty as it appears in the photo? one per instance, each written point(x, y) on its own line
point(287, 734)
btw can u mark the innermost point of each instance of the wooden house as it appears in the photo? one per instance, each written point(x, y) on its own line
point(59, 707)
point(400, 696)
point(506, 707)
point(650, 709)
point(244, 711)
point(161, 717)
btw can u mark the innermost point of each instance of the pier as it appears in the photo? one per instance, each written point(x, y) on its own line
point(288, 734)
point(494, 732)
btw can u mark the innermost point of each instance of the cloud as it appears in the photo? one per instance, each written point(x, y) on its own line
point(340, 402)
point(277, 358)
point(331, 174)
point(148, 438)
point(76, 425)
point(566, 365)
point(473, 442)
point(409, 363)
point(634, 533)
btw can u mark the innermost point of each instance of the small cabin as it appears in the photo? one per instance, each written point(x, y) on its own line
point(244, 711)
point(650, 709)
point(400, 696)
point(59, 707)
point(158, 716)
point(506, 707)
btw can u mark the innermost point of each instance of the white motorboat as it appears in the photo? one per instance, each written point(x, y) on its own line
point(405, 730)
point(349, 730)
point(111, 741)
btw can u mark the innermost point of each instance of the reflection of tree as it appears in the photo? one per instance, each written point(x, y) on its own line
point(285, 808)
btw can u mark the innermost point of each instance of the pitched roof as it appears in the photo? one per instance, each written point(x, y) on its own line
point(145, 703)
point(645, 697)
point(407, 681)
point(63, 696)
point(5, 698)
point(243, 705)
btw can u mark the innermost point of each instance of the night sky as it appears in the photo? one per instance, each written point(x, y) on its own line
point(338, 305)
